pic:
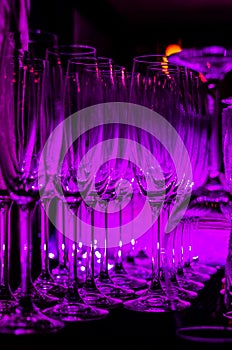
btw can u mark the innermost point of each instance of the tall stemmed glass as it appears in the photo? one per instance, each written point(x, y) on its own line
point(72, 308)
point(213, 62)
point(104, 280)
point(82, 89)
point(155, 298)
point(123, 177)
point(227, 159)
point(188, 122)
point(44, 71)
point(21, 144)
point(59, 56)
point(157, 181)
point(7, 299)
point(116, 89)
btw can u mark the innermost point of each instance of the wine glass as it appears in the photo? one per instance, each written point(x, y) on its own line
point(123, 177)
point(117, 283)
point(7, 299)
point(159, 182)
point(90, 292)
point(59, 56)
point(21, 146)
point(44, 281)
point(227, 138)
point(213, 62)
point(83, 89)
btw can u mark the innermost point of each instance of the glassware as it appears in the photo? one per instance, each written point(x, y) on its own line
point(213, 62)
point(213, 336)
point(20, 125)
point(227, 142)
point(83, 89)
point(7, 299)
point(59, 56)
point(44, 281)
point(162, 181)
point(122, 179)
point(104, 281)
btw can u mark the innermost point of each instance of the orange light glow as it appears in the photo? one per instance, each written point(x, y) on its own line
point(172, 48)
point(203, 78)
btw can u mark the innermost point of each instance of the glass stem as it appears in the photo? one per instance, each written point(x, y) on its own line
point(187, 224)
point(118, 259)
point(181, 264)
point(104, 273)
point(5, 205)
point(25, 246)
point(72, 293)
point(156, 253)
point(80, 244)
point(90, 273)
point(72, 254)
point(173, 266)
point(45, 269)
point(61, 243)
point(131, 253)
point(228, 270)
point(215, 146)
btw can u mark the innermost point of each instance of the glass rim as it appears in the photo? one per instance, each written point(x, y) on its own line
point(182, 334)
point(59, 48)
point(141, 58)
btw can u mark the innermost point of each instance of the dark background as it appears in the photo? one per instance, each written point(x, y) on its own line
point(122, 29)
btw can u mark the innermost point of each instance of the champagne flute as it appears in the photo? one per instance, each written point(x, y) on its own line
point(21, 147)
point(7, 299)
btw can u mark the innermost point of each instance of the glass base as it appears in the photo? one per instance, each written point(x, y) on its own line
point(126, 281)
point(138, 271)
point(153, 302)
point(114, 291)
point(179, 292)
point(50, 288)
point(7, 306)
point(75, 312)
point(31, 321)
point(97, 299)
point(203, 269)
point(40, 300)
point(196, 276)
point(7, 300)
point(189, 284)
point(213, 336)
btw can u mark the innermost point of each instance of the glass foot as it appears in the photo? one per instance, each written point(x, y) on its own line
point(181, 293)
point(21, 322)
point(50, 288)
point(100, 300)
point(7, 306)
point(117, 292)
point(189, 284)
point(156, 303)
point(40, 300)
point(203, 269)
point(138, 271)
point(75, 312)
point(196, 276)
point(129, 282)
